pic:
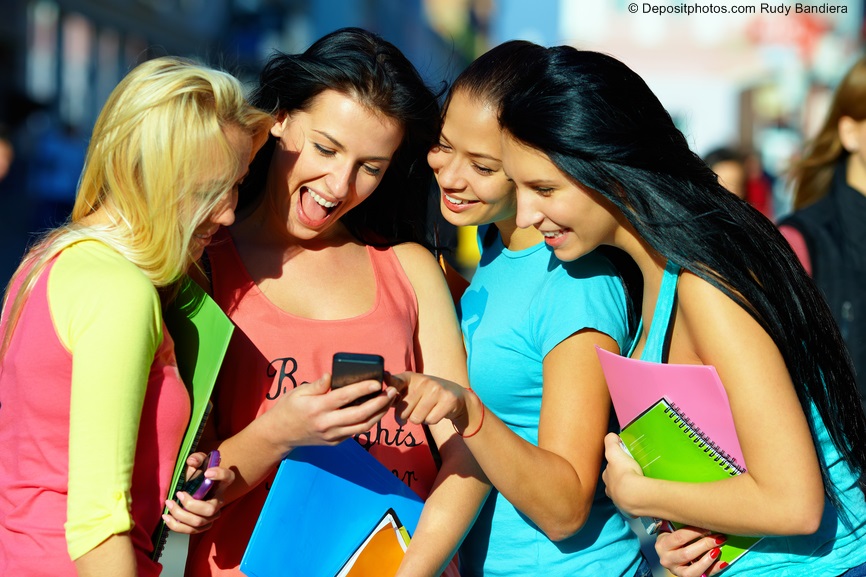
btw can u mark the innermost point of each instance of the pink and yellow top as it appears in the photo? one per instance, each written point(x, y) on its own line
point(92, 412)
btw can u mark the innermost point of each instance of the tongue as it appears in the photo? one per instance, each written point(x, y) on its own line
point(313, 209)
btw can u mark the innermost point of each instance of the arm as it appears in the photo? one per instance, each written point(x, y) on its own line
point(112, 557)
point(460, 487)
point(553, 483)
point(311, 414)
point(782, 492)
point(112, 329)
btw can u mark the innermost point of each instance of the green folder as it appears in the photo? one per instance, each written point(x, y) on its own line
point(201, 334)
point(668, 446)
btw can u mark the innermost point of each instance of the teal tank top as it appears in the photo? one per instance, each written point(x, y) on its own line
point(839, 544)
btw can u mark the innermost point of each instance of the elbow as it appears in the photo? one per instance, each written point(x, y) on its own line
point(810, 519)
point(803, 519)
point(562, 527)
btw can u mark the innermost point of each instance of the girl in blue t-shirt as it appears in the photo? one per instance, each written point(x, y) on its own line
point(531, 325)
point(597, 160)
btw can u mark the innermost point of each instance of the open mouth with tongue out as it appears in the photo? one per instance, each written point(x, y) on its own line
point(314, 209)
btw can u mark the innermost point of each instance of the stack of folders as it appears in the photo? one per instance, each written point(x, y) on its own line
point(381, 552)
point(668, 446)
point(677, 423)
point(332, 511)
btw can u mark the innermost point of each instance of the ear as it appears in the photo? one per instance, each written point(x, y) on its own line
point(849, 136)
point(281, 123)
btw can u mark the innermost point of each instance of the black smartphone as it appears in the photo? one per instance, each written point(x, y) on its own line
point(199, 486)
point(348, 368)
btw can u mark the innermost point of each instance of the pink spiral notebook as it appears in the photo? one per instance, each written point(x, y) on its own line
point(636, 385)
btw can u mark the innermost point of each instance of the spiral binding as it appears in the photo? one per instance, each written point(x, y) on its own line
point(725, 461)
point(160, 535)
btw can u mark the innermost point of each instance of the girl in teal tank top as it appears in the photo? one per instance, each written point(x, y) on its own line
point(596, 160)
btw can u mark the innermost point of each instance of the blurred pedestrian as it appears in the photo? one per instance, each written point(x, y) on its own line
point(828, 228)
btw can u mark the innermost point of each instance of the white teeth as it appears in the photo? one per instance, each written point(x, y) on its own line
point(322, 201)
point(551, 233)
point(453, 200)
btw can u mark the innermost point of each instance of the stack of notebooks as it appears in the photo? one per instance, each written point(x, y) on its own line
point(676, 422)
point(332, 511)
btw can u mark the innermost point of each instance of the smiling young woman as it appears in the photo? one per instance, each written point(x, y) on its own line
point(327, 256)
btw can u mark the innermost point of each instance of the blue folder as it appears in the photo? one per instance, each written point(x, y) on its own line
point(322, 505)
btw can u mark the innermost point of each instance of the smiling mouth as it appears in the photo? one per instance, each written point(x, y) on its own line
point(457, 201)
point(323, 202)
point(315, 207)
point(552, 233)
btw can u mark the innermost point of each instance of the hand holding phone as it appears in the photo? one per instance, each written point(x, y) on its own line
point(348, 368)
point(197, 485)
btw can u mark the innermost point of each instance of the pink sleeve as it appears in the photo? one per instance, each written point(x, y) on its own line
point(798, 243)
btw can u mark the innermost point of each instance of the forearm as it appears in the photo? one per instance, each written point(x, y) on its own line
point(539, 483)
point(449, 512)
point(739, 505)
point(252, 454)
point(114, 557)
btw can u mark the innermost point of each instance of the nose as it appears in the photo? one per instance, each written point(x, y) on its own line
point(226, 216)
point(527, 212)
point(340, 181)
point(446, 167)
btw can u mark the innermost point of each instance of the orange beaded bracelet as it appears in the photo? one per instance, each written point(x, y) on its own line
point(473, 433)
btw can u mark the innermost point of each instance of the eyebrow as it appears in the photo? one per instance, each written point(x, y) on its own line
point(339, 145)
point(472, 154)
point(541, 182)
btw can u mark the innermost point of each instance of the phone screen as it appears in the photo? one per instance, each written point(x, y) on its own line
point(348, 368)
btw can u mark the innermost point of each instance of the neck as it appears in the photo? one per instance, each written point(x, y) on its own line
point(650, 262)
point(515, 238)
point(855, 172)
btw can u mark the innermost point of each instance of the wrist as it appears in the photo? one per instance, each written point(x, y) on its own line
point(473, 416)
point(272, 432)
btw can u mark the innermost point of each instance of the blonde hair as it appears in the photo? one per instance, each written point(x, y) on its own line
point(159, 161)
point(813, 173)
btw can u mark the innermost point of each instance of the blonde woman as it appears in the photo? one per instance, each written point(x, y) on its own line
point(92, 408)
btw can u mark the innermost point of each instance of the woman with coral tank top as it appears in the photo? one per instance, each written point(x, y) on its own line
point(319, 263)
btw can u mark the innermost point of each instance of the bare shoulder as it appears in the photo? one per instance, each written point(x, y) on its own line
point(714, 321)
point(418, 262)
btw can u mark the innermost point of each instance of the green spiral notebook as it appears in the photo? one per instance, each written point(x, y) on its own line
point(201, 334)
point(668, 446)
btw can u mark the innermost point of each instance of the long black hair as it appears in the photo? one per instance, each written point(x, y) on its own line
point(488, 80)
point(599, 123)
point(362, 65)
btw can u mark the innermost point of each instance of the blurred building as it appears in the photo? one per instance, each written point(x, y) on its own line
point(61, 58)
point(730, 74)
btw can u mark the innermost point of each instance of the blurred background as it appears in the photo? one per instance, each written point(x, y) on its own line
point(756, 79)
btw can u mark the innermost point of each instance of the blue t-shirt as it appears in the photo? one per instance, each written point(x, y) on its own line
point(839, 544)
point(518, 307)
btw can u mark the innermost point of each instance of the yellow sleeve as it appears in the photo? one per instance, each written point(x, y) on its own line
point(107, 314)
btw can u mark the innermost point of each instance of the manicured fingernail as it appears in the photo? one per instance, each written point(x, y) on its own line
point(723, 564)
point(720, 539)
point(166, 518)
point(715, 553)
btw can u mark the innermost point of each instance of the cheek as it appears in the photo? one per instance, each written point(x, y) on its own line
point(433, 159)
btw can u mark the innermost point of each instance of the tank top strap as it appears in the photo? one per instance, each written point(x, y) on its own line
point(660, 327)
point(394, 287)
